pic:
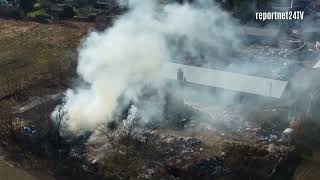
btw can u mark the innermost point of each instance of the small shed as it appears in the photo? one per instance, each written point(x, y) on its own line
point(288, 135)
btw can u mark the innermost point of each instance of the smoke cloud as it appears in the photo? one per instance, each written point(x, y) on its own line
point(127, 58)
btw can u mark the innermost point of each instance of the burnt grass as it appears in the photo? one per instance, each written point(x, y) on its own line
point(156, 155)
point(152, 155)
point(42, 154)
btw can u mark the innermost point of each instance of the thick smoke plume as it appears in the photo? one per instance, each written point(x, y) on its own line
point(127, 58)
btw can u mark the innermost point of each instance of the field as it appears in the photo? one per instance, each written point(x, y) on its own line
point(10, 173)
point(32, 53)
point(35, 59)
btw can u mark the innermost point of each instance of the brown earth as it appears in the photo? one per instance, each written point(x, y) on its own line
point(35, 59)
point(32, 52)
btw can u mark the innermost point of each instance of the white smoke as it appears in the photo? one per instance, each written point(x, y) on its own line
point(126, 58)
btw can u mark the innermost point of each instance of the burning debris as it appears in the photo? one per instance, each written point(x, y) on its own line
point(123, 118)
point(150, 40)
point(173, 156)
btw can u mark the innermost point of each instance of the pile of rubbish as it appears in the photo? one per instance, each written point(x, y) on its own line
point(28, 130)
point(178, 147)
point(184, 157)
point(224, 119)
point(174, 155)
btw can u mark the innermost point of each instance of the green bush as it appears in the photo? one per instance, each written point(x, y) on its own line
point(40, 12)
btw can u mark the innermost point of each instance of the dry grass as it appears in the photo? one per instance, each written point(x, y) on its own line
point(30, 54)
point(28, 50)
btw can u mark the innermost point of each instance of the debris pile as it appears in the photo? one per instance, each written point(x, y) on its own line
point(221, 118)
point(178, 147)
point(184, 157)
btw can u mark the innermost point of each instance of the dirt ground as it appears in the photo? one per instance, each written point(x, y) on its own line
point(309, 168)
point(10, 170)
point(11, 173)
point(31, 51)
point(31, 58)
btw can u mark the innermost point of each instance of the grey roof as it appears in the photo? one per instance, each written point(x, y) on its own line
point(227, 80)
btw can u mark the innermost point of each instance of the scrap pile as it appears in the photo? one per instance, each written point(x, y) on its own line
point(189, 157)
point(186, 157)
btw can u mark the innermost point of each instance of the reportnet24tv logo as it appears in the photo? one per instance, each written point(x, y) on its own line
point(284, 15)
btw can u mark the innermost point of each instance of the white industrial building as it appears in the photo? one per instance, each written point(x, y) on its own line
point(227, 80)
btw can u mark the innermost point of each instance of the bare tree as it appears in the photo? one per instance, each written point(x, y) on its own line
point(121, 135)
point(127, 133)
point(111, 133)
point(60, 117)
